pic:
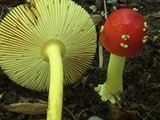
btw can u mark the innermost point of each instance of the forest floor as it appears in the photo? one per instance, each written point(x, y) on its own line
point(140, 99)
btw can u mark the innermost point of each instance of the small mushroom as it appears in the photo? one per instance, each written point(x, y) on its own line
point(123, 35)
point(44, 44)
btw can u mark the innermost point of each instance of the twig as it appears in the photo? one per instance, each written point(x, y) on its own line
point(100, 48)
point(74, 118)
point(158, 104)
point(79, 115)
point(1, 15)
point(100, 53)
point(105, 9)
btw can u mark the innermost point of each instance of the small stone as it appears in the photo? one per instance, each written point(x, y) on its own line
point(93, 8)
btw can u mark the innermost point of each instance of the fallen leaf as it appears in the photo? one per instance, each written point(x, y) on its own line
point(27, 108)
point(117, 112)
point(9, 3)
point(155, 37)
point(96, 19)
point(123, 1)
point(98, 3)
point(156, 14)
point(30, 100)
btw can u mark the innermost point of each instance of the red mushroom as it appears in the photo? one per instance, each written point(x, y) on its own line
point(123, 35)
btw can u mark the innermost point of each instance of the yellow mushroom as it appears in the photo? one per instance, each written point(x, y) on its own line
point(46, 43)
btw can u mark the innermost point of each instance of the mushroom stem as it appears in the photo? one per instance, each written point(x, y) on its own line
point(55, 98)
point(113, 85)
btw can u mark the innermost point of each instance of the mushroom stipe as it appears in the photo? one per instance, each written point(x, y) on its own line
point(123, 35)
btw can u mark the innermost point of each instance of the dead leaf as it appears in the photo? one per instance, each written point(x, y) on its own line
point(156, 14)
point(98, 3)
point(155, 37)
point(9, 3)
point(30, 100)
point(117, 112)
point(123, 1)
point(96, 19)
point(27, 108)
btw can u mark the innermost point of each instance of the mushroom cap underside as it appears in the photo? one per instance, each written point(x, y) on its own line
point(25, 30)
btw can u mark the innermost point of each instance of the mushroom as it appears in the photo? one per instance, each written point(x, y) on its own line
point(44, 44)
point(123, 35)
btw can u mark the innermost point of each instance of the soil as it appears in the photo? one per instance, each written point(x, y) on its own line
point(140, 99)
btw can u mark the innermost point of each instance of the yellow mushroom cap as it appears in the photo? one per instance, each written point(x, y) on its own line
point(25, 30)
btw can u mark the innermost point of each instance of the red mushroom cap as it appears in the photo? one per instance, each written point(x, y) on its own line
point(124, 32)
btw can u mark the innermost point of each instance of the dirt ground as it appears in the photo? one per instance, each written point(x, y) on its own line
point(141, 95)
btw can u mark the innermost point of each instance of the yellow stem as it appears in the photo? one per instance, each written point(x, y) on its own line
point(113, 85)
point(114, 74)
point(55, 98)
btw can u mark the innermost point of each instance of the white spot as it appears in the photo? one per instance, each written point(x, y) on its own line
point(144, 39)
point(135, 9)
point(123, 45)
point(144, 29)
point(101, 29)
point(145, 25)
point(125, 37)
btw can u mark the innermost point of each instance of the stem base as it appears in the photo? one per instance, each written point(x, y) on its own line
point(113, 85)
